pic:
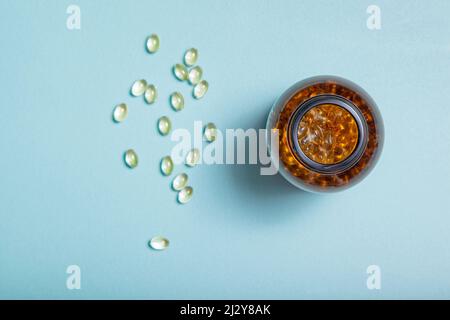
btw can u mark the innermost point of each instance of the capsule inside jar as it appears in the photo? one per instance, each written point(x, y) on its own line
point(327, 134)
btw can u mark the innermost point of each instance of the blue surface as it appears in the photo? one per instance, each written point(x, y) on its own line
point(66, 197)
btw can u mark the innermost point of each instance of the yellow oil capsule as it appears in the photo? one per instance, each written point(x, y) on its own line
point(153, 43)
point(185, 195)
point(177, 101)
point(210, 132)
point(120, 112)
point(166, 165)
point(192, 157)
point(131, 158)
point(151, 93)
point(180, 72)
point(164, 125)
point(180, 181)
point(195, 75)
point(138, 88)
point(191, 57)
point(200, 89)
point(159, 243)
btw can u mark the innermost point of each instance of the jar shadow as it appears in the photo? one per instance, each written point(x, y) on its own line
point(266, 191)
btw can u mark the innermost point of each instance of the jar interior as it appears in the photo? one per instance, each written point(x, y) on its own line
point(327, 134)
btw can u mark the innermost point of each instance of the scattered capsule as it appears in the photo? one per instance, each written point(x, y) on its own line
point(131, 159)
point(180, 181)
point(151, 93)
point(166, 165)
point(153, 43)
point(185, 195)
point(159, 243)
point(177, 101)
point(200, 89)
point(138, 88)
point(192, 157)
point(191, 56)
point(120, 112)
point(164, 125)
point(210, 132)
point(195, 75)
point(180, 72)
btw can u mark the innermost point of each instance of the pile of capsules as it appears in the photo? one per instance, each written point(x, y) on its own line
point(186, 71)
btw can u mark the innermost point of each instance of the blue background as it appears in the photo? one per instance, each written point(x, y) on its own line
point(67, 198)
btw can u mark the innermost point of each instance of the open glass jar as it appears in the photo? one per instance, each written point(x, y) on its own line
point(330, 134)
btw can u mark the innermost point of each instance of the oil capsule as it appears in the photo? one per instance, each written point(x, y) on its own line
point(120, 112)
point(180, 181)
point(180, 72)
point(152, 43)
point(151, 93)
point(166, 165)
point(177, 101)
point(159, 243)
point(192, 157)
point(191, 56)
point(164, 125)
point(138, 88)
point(185, 195)
point(200, 89)
point(210, 132)
point(131, 159)
point(195, 75)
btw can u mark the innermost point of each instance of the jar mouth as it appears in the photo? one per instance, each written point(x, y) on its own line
point(347, 162)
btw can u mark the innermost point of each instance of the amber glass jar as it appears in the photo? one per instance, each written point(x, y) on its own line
point(330, 134)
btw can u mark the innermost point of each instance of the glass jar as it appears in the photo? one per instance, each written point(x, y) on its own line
point(330, 134)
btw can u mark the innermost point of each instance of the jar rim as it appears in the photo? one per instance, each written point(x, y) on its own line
point(346, 104)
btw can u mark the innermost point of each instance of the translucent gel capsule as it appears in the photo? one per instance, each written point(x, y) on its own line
point(180, 72)
point(192, 157)
point(180, 181)
point(159, 243)
point(195, 75)
point(200, 89)
point(164, 125)
point(210, 132)
point(166, 165)
point(177, 101)
point(120, 112)
point(131, 159)
point(151, 93)
point(185, 195)
point(191, 56)
point(153, 43)
point(138, 88)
